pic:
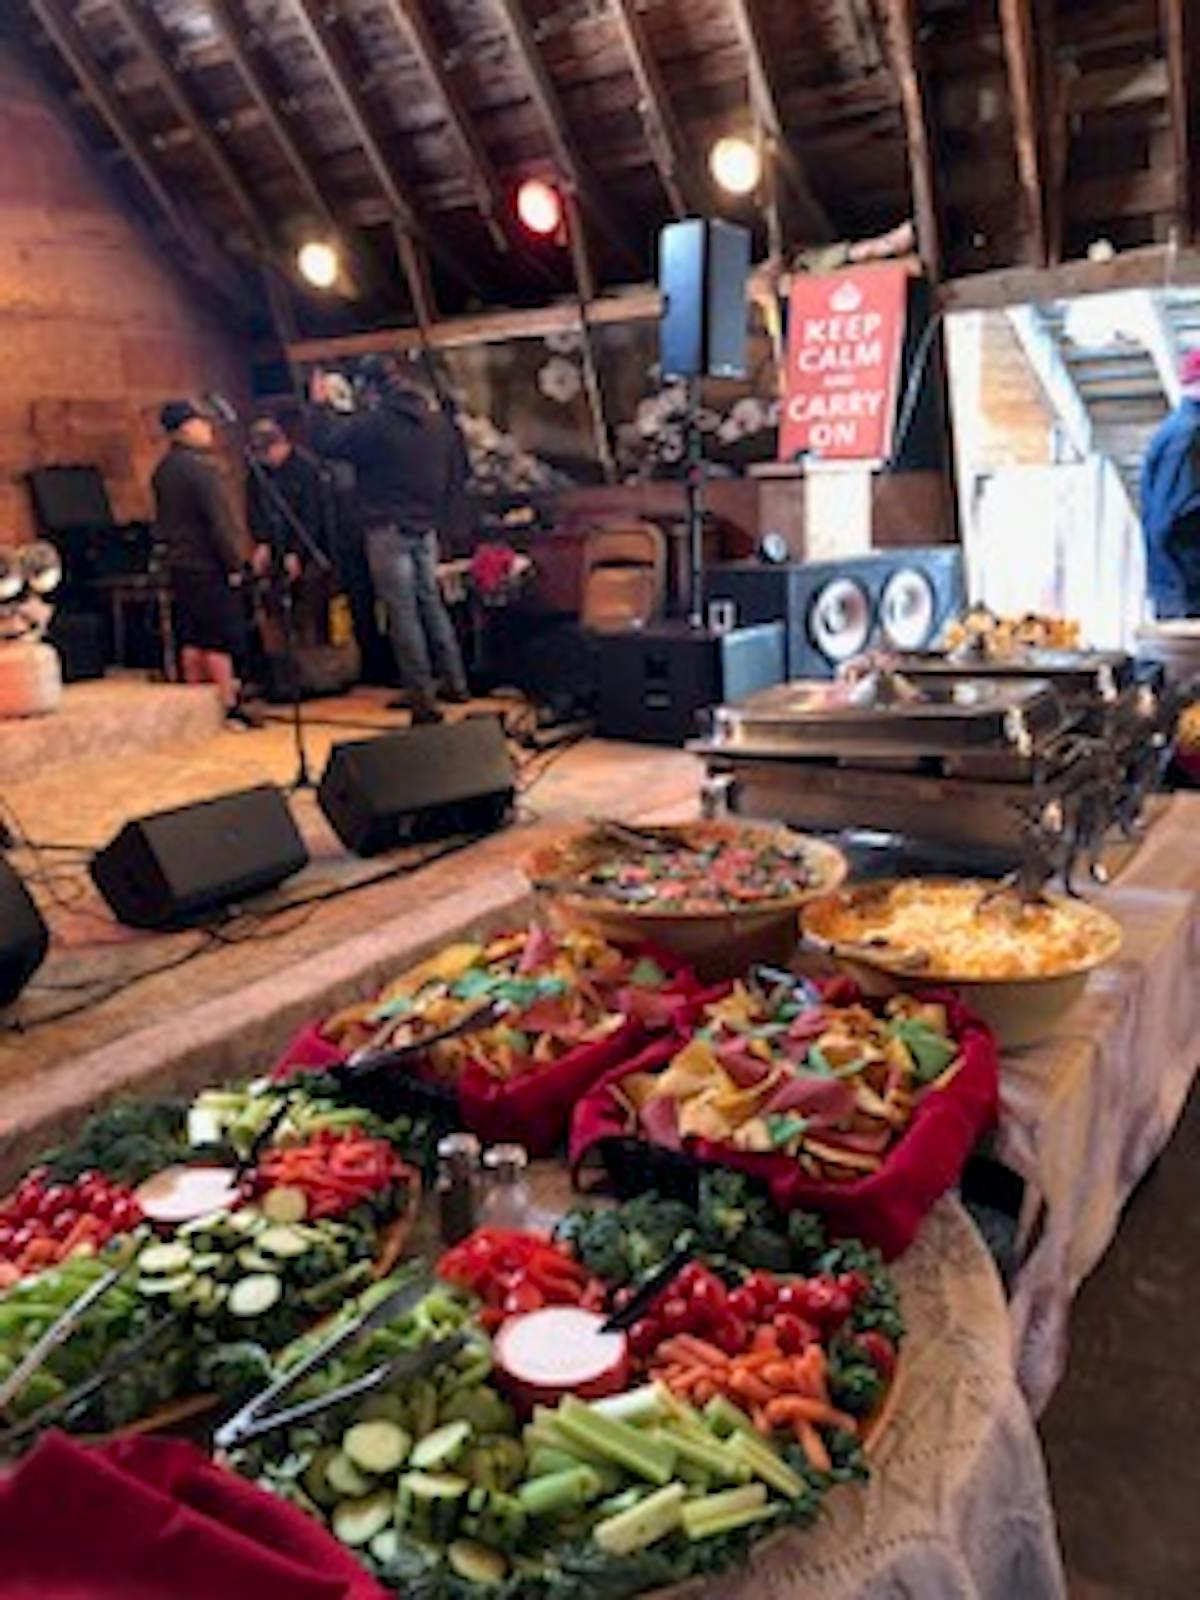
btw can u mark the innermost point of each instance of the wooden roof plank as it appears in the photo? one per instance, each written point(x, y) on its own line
point(765, 98)
point(663, 133)
point(1024, 89)
point(153, 46)
point(1181, 34)
point(908, 65)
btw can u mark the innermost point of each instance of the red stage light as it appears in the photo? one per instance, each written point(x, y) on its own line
point(539, 206)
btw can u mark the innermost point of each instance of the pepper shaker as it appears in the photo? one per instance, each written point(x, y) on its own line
point(507, 1200)
point(458, 1183)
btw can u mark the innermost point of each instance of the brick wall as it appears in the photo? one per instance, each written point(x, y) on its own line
point(96, 329)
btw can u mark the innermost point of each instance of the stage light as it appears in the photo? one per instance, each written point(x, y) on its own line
point(736, 165)
point(539, 206)
point(319, 263)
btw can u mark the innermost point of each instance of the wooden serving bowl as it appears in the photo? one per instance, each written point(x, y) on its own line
point(716, 944)
point(1019, 1010)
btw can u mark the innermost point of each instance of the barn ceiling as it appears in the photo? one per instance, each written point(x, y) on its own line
point(1013, 132)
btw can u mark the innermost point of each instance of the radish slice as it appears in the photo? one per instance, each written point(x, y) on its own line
point(543, 1355)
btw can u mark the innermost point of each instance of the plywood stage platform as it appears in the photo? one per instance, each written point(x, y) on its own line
point(113, 1009)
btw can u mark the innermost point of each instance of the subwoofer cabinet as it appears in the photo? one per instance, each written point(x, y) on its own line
point(834, 610)
point(24, 937)
point(655, 681)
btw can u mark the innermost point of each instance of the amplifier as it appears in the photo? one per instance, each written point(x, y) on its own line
point(834, 610)
point(655, 681)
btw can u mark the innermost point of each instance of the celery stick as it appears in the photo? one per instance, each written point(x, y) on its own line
point(729, 1502)
point(544, 1459)
point(558, 1492)
point(628, 1447)
point(655, 1517)
point(765, 1464)
point(724, 1418)
point(730, 1522)
point(549, 1436)
point(636, 1406)
point(708, 1455)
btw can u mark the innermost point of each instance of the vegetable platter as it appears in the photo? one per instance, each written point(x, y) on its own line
point(556, 1010)
point(177, 1316)
point(863, 1110)
point(545, 1458)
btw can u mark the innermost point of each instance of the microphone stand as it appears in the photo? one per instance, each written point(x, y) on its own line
point(281, 585)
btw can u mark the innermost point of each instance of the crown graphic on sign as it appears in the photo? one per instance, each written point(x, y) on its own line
point(846, 297)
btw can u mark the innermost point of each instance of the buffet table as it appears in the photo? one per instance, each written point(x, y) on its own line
point(1086, 1114)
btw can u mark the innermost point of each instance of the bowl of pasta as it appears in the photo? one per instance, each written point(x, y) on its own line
point(1019, 964)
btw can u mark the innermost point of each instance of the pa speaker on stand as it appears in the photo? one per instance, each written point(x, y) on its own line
point(24, 937)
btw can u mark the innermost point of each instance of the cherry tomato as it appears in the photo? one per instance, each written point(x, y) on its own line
point(765, 1288)
point(675, 1315)
point(62, 1224)
point(795, 1333)
point(796, 1296)
point(710, 1297)
point(21, 1240)
point(53, 1200)
point(693, 1273)
point(622, 1298)
point(879, 1351)
point(126, 1214)
point(730, 1335)
point(645, 1337)
point(743, 1302)
point(829, 1305)
point(855, 1284)
point(6, 1238)
point(101, 1204)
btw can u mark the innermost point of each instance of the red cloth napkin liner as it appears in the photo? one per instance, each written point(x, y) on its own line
point(884, 1208)
point(154, 1519)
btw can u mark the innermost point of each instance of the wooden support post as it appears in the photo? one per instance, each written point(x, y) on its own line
point(1025, 99)
point(918, 125)
point(1181, 36)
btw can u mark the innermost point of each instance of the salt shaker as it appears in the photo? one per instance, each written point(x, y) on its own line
point(458, 1184)
point(507, 1202)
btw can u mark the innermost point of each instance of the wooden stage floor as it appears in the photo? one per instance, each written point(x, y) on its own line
point(114, 1009)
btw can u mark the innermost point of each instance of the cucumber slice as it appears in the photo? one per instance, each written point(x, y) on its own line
point(344, 1478)
point(285, 1204)
point(385, 1546)
point(205, 1260)
point(164, 1260)
point(252, 1260)
point(181, 1280)
point(356, 1522)
point(247, 1220)
point(316, 1479)
point(255, 1295)
point(384, 1408)
point(476, 1563)
point(442, 1447)
point(379, 1447)
point(286, 1243)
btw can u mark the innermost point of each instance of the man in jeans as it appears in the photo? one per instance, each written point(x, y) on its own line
point(409, 463)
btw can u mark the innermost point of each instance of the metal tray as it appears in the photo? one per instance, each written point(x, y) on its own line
point(818, 721)
point(1078, 675)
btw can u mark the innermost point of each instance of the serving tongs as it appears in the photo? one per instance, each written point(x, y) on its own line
point(58, 1332)
point(632, 836)
point(257, 1417)
point(655, 1286)
point(377, 1053)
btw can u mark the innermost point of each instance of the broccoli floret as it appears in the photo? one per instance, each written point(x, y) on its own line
point(730, 1203)
point(806, 1239)
point(234, 1369)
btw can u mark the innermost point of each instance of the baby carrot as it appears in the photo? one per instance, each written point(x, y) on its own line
point(750, 1387)
point(814, 1447)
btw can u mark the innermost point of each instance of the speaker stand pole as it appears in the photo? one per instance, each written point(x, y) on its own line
point(303, 779)
point(694, 489)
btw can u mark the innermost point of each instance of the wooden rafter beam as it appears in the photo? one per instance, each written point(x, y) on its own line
point(1025, 98)
point(663, 133)
point(154, 48)
point(240, 42)
point(1181, 35)
point(765, 100)
point(901, 17)
point(198, 251)
point(412, 21)
point(1148, 267)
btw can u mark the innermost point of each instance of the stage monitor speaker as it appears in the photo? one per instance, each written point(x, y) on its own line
point(834, 610)
point(176, 867)
point(419, 784)
point(655, 681)
point(69, 498)
point(703, 269)
point(24, 938)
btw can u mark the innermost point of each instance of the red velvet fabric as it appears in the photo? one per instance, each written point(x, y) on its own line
point(148, 1519)
point(884, 1208)
point(534, 1108)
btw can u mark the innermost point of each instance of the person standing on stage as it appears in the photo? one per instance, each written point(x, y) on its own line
point(1171, 503)
point(296, 479)
point(408, 461)
point(194, 524)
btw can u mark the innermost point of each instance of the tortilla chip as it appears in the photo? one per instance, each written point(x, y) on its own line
point(694, 1068)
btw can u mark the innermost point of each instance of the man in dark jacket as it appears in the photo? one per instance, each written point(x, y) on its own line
point(194, 524)
point(409, 466)
point(1171, 503)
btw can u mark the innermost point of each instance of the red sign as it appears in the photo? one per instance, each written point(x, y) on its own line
point(845, 334)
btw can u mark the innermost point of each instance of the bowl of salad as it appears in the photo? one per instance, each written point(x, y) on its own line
point(720, 894)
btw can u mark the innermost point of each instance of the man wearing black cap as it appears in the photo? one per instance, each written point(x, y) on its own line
point(194, 524)
point(409, 465)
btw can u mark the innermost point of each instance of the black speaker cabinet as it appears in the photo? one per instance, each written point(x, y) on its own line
point(834, 610)
point(703, 266)
point(24, 938)
point(175, 867)
point(655, 681)
point(422, 783)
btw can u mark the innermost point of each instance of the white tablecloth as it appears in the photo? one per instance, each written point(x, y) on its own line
point(957, 1507)
point(1086, 1114)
